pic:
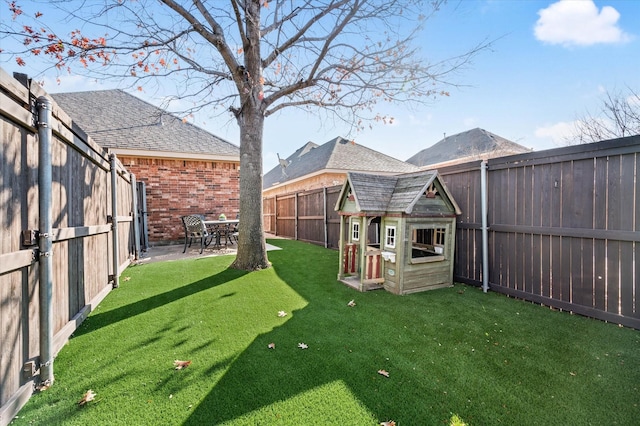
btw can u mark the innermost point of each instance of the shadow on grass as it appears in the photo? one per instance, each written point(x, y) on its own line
point(102, 319)
point(449, 352)
point(262, 378)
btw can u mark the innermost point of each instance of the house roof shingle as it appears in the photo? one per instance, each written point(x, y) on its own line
point(391, 194)
point(337, 154)
point(117, 120)
point(472, 143)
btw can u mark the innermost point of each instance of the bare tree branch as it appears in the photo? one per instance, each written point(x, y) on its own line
point(619, 116)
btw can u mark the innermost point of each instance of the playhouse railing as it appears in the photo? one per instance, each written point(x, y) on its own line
point(350, 258)
point(373, 266)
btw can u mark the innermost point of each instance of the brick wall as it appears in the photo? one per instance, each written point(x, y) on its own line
point(179, 187)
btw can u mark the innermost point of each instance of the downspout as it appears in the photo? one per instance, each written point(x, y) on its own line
point(45, 240)
point(485, 229)
point(134, 213)
point(115, 278)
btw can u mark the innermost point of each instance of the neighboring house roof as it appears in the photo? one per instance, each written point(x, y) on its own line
point(128, 125)
point(337, 155)
point(393, 194)
point(472, 144)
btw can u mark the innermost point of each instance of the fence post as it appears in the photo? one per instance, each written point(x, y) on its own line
point(45, 240)
point(114, 220)
point(485, 233)
point(326, 219)
point(295, 214)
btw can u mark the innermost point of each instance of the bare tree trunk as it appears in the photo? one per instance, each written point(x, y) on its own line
point(252, 253)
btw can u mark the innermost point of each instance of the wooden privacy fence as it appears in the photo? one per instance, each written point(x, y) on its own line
point(67, 233)
point(305, 216)
point(563, 226)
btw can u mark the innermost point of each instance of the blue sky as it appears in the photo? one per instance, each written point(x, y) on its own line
point(551, 63)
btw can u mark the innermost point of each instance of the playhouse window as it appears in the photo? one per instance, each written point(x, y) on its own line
point(390, 236)
point(427, 244)
point(355, 231)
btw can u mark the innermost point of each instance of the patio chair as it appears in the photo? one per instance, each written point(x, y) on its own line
point(233, 233)
point(195, 228)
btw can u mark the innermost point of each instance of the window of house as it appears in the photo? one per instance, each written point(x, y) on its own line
point(428, 244)
point(390, 236)
point(355, 231)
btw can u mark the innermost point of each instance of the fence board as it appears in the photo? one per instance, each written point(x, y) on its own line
point(563, 226)
point(81, 236)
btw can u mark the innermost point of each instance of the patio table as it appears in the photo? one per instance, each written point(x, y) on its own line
point(217, 225)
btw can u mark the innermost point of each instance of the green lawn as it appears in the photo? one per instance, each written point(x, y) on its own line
point(452, 352)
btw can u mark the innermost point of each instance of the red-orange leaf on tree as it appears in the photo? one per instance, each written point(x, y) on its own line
point(181, 364)
point(20, 61)
point(38, 14)
point(15, 10)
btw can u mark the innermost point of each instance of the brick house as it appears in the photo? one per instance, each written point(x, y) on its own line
point(185, 169)
point(318, 169)
point(316, 166)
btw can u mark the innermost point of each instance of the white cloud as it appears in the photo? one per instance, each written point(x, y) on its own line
point(579, 23)
point(557, 133)
point(634, 100)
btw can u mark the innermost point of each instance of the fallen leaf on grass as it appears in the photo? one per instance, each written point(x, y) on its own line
point(384, 373)
point(389, 423)
point(126, 278)
point(572, 373)
point(43, 386)
point(88, 396)
point(352, 303)
point(282, 314)
point(303, 345)
point(181, 364)
point(271, 345)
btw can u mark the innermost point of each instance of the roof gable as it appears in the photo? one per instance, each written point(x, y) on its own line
point(475, 143)
point(338, 154)
point(397, 194)
point(117, 120)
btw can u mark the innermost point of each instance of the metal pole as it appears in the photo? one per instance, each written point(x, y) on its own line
point(134, 213)
point(114, 220)
point(485, 229)
point(325, 218)
point(45, 240)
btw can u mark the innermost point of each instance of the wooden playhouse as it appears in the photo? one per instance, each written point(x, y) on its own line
point(396, 232)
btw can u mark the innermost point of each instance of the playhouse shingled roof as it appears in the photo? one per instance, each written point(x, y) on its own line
point(338, 154)
point(391, 194)
point(117, 120)
point(472, 144)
